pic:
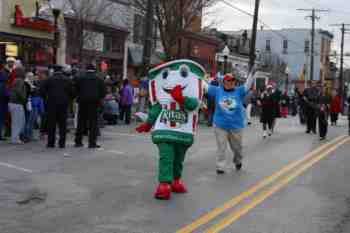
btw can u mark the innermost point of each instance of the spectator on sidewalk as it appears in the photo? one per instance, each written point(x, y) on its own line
point(126, 101)
point(58, 91)
point(90, 92)
point(3, 100)
point(110, 108)
point(16, 106)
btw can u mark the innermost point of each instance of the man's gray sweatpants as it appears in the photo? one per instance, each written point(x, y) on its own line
point(234, 138)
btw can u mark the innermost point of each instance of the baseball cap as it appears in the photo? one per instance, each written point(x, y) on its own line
point(228, 77)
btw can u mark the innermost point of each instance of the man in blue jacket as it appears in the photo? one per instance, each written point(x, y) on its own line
point(229, 119)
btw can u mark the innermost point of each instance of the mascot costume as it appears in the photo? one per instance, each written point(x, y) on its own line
point(176, 92)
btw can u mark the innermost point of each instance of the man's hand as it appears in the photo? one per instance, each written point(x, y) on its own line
point(176, 93)
point(144, 128)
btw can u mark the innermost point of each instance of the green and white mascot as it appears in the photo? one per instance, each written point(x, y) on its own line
point(176, 92)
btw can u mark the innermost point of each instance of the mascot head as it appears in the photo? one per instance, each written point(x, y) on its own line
point(186, 73)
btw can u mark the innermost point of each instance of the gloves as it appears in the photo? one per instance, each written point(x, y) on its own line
point(144, 128)
point(176, 93)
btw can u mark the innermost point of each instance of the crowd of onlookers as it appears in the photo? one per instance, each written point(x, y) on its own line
point(34, 102)
point(27, 98)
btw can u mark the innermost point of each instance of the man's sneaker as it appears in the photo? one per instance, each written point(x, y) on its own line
point(238, 166)
point(322, 138)
point(264, 134)
point(220, 172)
point(270, 133)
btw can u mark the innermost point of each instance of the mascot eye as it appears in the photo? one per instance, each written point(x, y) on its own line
point(184, 71)
point(165, 74)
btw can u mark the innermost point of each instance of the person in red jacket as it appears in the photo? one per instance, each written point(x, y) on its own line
point(335, 108)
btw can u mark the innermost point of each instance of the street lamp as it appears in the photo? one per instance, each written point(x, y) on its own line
point(225, 53)
point(56, 13)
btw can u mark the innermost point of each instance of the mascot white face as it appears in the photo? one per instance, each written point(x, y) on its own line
point(186, 73)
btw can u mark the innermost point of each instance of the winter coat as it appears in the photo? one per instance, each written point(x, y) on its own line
point(335, 104)
point(58, 90)
point(18, 92)
point(127, 96)
point(268, 110)
point(90, 88)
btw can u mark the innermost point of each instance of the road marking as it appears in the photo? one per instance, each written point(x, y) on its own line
point(126, 134)
point(251, 191)
point(116, 152)
point(235, 215)
point(15, 167)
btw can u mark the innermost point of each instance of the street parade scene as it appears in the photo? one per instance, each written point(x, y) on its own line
point(174, 116)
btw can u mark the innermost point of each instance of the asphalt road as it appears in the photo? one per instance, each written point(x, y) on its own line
point(111, 190)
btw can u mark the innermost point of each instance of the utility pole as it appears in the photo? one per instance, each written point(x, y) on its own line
point(313, 17)
point(148, 40)
point(343, 30)
point(252, 55)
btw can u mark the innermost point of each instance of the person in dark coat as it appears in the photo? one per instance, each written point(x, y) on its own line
point(268, 111)
point(335, 107)
point(323, 111)
point(311, 98)
point(3, 101)
point(90, 92)
point(58, 90)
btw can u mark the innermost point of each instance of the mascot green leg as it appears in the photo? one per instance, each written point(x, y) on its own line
point(171, 159)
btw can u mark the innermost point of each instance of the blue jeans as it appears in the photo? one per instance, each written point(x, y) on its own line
point(17, 121)
point(29, 126)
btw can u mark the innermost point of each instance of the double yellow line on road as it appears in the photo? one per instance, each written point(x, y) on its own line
point(279, 179)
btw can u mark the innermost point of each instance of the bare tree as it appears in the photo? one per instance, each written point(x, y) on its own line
point(175, 17)
point(82, 15)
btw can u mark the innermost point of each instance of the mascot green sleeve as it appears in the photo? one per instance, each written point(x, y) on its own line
point(176, 92)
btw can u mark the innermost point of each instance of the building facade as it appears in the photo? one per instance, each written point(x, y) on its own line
point(23, 34)
point(293, 46)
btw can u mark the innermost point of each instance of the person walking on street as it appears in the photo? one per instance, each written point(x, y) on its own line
point(285, 105)
point(323, 115)
point(249, 105)
point(276, 96)
point(58, 90)
point(335, 108)
point(268, 113)
point(311, 98)
point(16, 106)
point(126, 101)
point(229, 119)
point(90, 92)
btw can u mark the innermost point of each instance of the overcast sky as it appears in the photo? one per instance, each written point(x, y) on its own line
point(283, 14)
